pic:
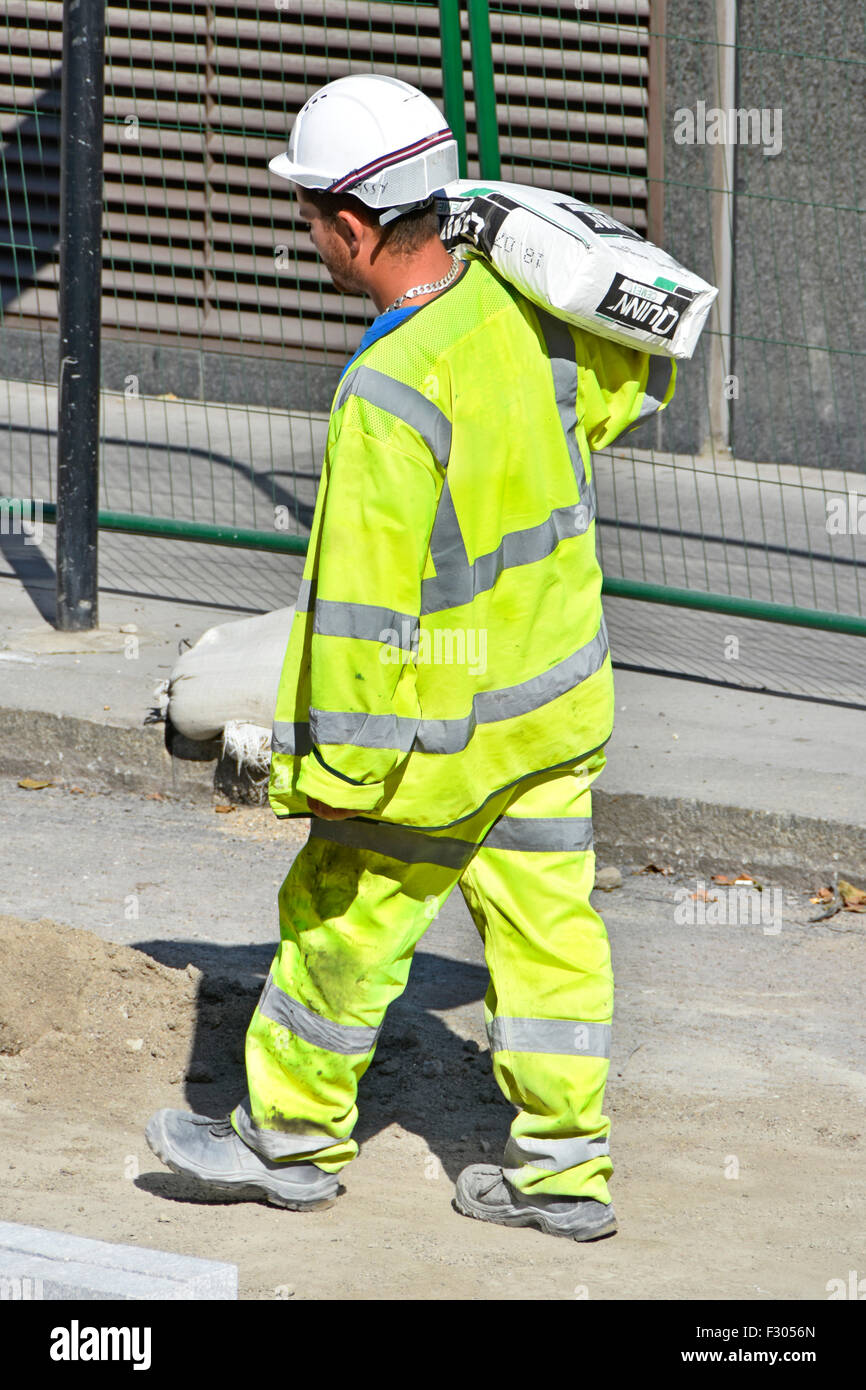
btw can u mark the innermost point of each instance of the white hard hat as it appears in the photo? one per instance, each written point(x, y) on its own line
point(372, 136)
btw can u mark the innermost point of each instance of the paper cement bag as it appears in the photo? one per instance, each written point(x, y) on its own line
point(579, 263)
point(231, 674)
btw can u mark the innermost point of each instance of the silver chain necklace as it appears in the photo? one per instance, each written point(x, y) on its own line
point(427, 289)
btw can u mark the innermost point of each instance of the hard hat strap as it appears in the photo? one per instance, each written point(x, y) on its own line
point(400, 211)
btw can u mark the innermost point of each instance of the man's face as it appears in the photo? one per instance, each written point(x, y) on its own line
point(332, 241)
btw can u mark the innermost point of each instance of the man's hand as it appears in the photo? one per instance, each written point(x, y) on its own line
point(324, 812)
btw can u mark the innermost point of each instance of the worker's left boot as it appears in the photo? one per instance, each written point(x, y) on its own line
point(229, 1170)
point(485, 1193)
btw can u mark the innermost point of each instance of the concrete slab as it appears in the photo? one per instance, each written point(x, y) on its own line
point(39, 1263)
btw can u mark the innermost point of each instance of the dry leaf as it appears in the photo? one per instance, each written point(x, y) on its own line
point(224, 810)
point(654, 869)
point(32, 784)
point(854, 899)
point(703, 896)
point(77, 789)
point(824, 895)
point(154, 796)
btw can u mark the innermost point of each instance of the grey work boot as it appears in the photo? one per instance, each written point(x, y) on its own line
point(483, 1192)
point(210, 1151)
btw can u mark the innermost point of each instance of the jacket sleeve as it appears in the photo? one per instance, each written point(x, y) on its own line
point(618, 387)
point(372, 549)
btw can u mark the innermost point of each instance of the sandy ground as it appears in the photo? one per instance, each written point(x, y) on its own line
point(737, 1084)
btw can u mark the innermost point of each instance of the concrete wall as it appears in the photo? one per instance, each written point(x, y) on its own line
point(195, 374)
point(799, 243)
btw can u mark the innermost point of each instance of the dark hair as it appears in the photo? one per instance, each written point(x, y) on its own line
point(403, 236)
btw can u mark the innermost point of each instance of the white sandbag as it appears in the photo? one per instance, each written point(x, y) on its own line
point(230, 675)
point(579, 263)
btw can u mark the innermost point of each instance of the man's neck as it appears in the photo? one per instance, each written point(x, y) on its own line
point(399, 274)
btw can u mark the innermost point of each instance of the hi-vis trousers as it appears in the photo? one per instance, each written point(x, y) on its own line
point(356, 901)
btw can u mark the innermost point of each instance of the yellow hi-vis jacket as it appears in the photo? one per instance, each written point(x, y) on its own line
point(449, 638)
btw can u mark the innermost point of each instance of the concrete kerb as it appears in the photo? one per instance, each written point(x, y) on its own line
point(37, 1263)
point(631, 828)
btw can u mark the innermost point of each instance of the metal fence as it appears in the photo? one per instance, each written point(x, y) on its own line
point(694, 122)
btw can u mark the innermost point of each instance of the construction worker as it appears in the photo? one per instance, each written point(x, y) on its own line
point(446, 693)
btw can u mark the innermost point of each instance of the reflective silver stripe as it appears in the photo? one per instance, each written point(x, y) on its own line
point(293, 740)
point(457, 582)
point(491, 706)
point(563, 364)
point(553, 1154)
point(364, 621)
point(405, 403)
point(452, 583)
point(569, 834)
point(446, 539)
point(562, 1036)
point(445, 735)
point(363, 730)
point(276, 1144)
point(658, 381)
point(397, 842)
point(344, 1038)
point(306, 593)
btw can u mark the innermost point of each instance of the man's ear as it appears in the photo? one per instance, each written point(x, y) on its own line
point(355, 230)
point(351, 228)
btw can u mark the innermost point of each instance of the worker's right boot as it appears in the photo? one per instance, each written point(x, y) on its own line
point(485, 1193)
point(210, 1151)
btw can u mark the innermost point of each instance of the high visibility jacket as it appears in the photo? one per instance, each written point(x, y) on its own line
point(449, 638)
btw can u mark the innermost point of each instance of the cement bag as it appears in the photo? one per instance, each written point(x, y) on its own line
point(230, 675)
point(579, 263)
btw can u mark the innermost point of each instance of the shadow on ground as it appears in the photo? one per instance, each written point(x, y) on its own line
point(423, 1077)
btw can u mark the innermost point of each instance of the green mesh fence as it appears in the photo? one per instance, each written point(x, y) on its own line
point(222, 340)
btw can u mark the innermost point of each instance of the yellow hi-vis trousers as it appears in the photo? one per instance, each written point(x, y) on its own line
point(356, 901)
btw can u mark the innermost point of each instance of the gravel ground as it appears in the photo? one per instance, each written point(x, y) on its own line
point(737, 1083)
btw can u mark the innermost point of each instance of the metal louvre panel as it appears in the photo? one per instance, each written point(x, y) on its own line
point(174, 20)
point(30, 60)
point(193, 218)
point(572, 101)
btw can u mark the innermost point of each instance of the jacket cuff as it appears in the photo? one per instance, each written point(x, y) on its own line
point(315, 780)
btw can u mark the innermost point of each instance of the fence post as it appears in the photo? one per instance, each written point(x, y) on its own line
point(452, 75)
point(81, 138)
point(484, 90)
